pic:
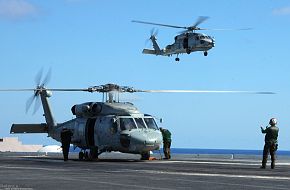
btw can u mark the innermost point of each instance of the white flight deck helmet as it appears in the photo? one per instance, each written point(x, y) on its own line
point(273, 121)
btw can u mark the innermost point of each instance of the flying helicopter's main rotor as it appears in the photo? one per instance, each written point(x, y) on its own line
point(191, 28)
point(200, 20)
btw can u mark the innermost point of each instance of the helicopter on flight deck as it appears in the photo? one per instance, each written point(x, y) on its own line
point(104, 126)
point(186, 42)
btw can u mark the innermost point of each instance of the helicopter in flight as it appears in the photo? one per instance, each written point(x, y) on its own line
point(186, 42)
point(109, 125)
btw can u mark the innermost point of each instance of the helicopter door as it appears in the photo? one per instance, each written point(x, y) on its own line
point(114, 132)
point(185, 43)
point(90, 126)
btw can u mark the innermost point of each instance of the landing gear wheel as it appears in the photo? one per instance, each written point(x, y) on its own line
point(176, 59)
point(93, 154)
point(188, 51)
point(86, 155)
point(205, 53)
point(145, 156)
point(81, 155)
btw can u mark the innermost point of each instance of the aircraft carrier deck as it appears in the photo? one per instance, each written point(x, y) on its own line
point(118, 171)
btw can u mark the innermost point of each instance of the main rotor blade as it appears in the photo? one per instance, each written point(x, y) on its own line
point(48, 89)
point(157, 24)
point(214, 29)
point(225, 29)
point(13, 90)
point(94, 89)
point(204, 91)
point(68, 89)
point(200, 20)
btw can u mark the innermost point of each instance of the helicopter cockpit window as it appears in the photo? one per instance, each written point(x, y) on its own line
point(140, 123)
point(127, 124)
point(150, 123)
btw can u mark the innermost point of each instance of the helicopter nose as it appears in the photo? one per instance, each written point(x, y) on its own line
point(208, 42)
point(212, 42)
point(146, 140)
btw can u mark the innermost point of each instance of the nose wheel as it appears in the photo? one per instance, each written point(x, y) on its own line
point(81, 155)
point(205, 53)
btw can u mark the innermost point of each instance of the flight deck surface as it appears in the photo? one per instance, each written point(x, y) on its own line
point(115, 172)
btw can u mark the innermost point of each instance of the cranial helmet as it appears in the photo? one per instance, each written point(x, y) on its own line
point(273, 121)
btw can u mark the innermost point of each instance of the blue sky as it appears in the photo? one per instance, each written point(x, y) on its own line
point(88, 42)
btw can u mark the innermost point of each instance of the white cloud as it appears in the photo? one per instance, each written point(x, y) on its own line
point(17, 9)
point(282, 11)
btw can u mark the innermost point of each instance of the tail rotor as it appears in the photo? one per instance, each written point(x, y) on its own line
point(40, 85)
point(153, 34)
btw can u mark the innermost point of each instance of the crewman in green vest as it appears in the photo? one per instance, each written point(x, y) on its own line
point(166, 142)
point(271, 143)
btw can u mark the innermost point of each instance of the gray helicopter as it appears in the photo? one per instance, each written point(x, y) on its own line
point(99, 127)
point(104, 126)
point(186, 42)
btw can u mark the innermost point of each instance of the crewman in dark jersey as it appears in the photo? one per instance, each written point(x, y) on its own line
point(65, 136)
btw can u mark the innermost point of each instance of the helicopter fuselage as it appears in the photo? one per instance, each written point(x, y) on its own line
point(113, 127)
point(184, 43)
point(190, 42)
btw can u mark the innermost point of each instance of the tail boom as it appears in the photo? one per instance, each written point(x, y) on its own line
point(151, 52)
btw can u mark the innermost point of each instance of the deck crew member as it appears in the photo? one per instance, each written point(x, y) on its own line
point(271, 143)
point(65, 136)
point(166, 142)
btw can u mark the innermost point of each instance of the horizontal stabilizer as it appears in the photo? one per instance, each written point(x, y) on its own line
point(29, 128)
point(149, 51)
